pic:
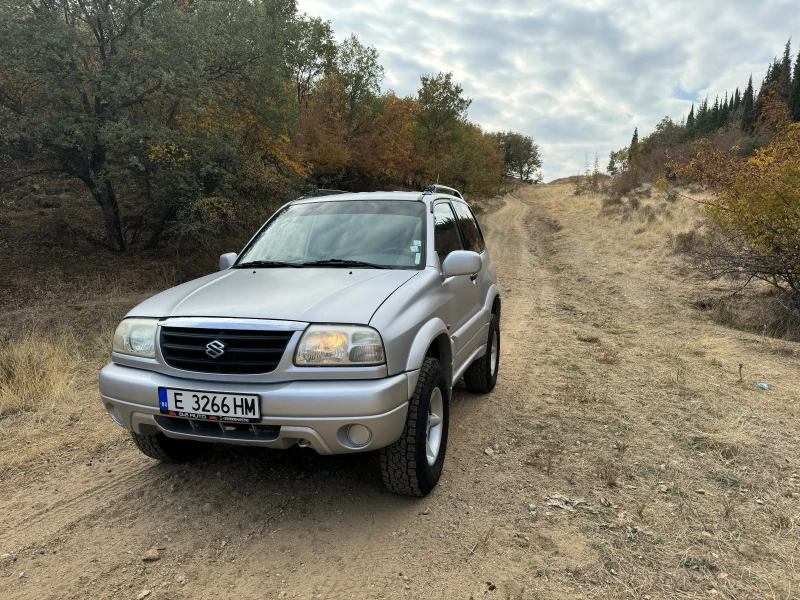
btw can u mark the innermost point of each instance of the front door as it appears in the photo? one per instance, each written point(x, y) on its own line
point(463, 295)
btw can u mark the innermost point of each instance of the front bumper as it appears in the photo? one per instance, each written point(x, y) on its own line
point(315, 413)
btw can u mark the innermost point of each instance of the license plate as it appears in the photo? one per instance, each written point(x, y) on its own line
point(210, 406)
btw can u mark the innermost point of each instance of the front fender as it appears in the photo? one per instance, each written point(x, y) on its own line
point(426, 336)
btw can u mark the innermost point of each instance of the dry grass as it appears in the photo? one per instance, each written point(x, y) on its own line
point(35, 373)
point(700, 465)
point(48, 385)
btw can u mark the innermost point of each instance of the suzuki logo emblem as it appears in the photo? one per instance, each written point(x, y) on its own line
point(215, 349)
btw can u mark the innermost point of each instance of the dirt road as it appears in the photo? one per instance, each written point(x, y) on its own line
point(618, 414)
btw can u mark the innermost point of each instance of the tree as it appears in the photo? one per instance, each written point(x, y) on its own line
point(690, 122)
point(794, 99)
point(384, 153)
point(474, 162)
point(442, 107)
point(361, 75)
point(785, 77)
point(618, 161)
point(322, 131)
point(755, 211)
point(100, 91)
point(520, 155)
point(312, 53)
point(595, 177)
point(633, 149)
point(749, 115)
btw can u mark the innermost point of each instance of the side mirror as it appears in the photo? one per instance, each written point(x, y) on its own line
point(461, 262)
point(226, 260)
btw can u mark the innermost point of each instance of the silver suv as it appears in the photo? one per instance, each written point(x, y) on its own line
point(342, 326)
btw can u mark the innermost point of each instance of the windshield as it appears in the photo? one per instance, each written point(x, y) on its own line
point(384, 234)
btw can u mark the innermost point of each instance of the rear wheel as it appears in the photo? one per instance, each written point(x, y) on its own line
point(167, 449)
point(481, 376)
point(413, 464)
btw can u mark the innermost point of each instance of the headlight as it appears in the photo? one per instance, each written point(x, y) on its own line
point(136, 337)
point(339, 346)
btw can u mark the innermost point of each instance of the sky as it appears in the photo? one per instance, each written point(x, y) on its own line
point(576, 75)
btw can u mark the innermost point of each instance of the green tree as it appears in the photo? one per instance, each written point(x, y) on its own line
point(794, 99)
point(520, 155)
point(690, 122)
point(442, 107)
point(102, 91)
point(311, 53)
point(633, 149)
point(749, 115)
point(618, 161)
point(362, 75)
point(785, 76)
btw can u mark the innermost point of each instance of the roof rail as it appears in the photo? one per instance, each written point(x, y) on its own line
point(435, 187)
point(322, 192)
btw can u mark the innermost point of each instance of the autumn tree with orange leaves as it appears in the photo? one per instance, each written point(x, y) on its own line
point(755, 211)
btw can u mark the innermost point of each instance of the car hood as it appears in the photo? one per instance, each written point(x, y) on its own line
point(313, 295)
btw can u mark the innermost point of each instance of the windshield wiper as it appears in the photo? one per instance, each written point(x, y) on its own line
point(343, 262)
point(266, 264)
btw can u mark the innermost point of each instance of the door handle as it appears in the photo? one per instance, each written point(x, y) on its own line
point(473, 277)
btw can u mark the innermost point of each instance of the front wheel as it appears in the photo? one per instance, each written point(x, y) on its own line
point(413, 464)
point(481, 376)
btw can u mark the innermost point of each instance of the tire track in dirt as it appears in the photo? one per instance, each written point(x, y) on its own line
point(24, 522)
point(373, 564)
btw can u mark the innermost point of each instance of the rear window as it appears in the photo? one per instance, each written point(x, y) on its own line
point(469, 226)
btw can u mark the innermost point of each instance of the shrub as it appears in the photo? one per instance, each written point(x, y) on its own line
point(755, 211)
point(623, 183)
point(611, 203)
point(686, 242)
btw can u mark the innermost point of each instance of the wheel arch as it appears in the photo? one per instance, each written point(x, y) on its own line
point(432, 341)
point(496, 304)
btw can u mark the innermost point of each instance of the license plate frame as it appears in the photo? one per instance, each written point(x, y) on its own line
point(183, 406)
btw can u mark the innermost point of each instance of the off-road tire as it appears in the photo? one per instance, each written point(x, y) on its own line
point(404, 464)
point(479, 377)
point(169, 450)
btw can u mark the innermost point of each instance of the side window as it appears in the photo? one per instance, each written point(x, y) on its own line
point(472, 234)
point(445, 235)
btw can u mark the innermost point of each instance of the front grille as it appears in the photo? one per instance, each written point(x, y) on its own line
point(246, 352)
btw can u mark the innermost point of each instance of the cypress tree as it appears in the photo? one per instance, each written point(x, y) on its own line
point(633, 151)
point(794, 99)
point(690, 122)
point(724, 111)
point(701, 120)
point(748, 112)
point(785, 75)
point(715, 116)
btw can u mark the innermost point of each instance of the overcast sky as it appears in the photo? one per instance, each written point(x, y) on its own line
point(577, 75)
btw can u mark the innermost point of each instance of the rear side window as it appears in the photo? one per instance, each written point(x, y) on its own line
point(472, 234)
point(445, 236)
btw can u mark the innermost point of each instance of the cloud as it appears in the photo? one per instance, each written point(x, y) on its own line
point(577, 75)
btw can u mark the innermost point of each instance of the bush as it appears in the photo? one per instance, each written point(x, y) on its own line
point(611, 203)
point(686, 242)
point(755, 212)
point(623, 183)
